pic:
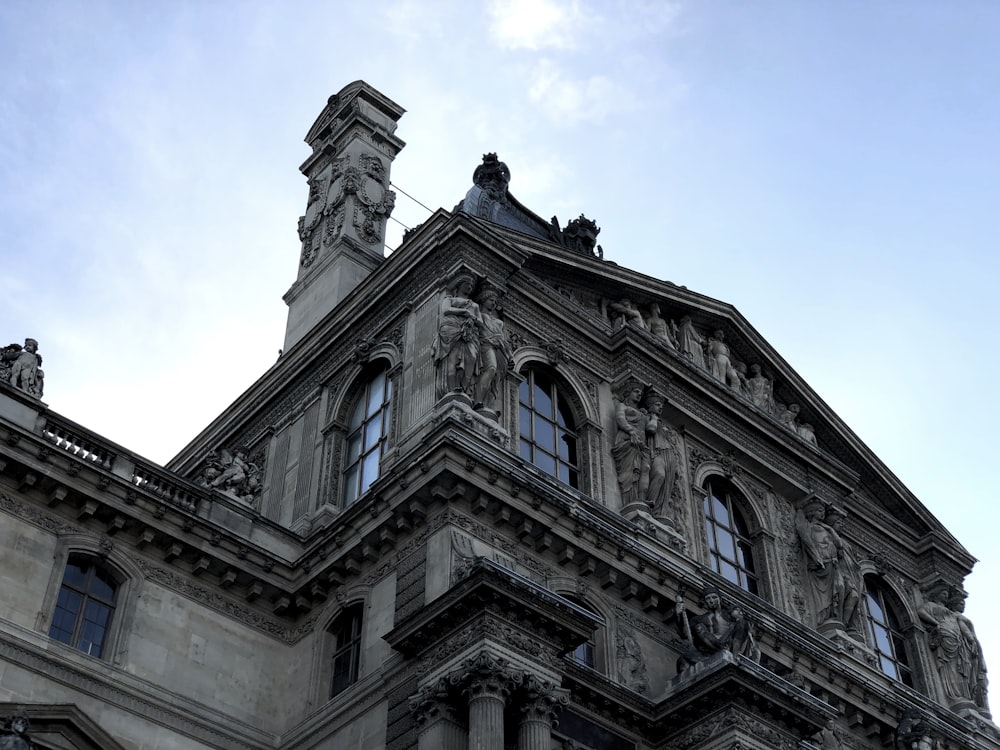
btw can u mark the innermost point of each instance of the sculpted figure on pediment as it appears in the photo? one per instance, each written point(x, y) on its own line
point(760, 389)
point(625, 313)
point(663, 447)
point(717, 629)
point(788, 416)
point(629, 450)
point(660, 327)
point(691, 343)
point(807, 433)
point(719, 362)
point(959, 655)
point(21, 366)
point(456, 349)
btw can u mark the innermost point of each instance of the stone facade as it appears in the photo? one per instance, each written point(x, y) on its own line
point(498, 492)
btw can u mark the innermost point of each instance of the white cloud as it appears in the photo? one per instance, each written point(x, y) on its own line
point(569, 100)
point(536, 24)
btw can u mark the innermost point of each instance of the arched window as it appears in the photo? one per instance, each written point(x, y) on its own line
point(345, 633)
point(85, 605)
point(367, 431)
point(547, 429)
point(885, 633)
point(729, 543)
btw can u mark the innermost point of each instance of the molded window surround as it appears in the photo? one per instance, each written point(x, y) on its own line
point(345, 648)
point(547, 430)
point(885, 632)
point(367, 436)
point(730, 547)
point(90, 601)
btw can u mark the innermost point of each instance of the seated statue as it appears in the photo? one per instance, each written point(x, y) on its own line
point(714, 631)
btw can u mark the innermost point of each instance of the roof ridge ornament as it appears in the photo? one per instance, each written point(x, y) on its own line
point(579, 235)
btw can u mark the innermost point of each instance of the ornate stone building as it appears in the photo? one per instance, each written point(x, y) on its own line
point(498, 492)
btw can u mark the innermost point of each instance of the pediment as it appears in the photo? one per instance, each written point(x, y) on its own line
point(61, 726)
point(679, 328)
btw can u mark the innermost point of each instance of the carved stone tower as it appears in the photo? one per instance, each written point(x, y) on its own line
point(343, 229)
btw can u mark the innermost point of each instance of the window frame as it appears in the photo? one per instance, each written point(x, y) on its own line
point(891, 627)
point(122, 570)
point(91, 601)
point(560, 420)
point(349, 619)
point(361, 416)
point(737, 532)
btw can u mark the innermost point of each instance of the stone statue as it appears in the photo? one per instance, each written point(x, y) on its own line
point(626, 313)
point(21, 366)
point(714, 631)
point(788, 416)
point(824, 552)
point(760, 389)
point(629, 449)
point(660, 327)
point(662, 445)
point(850, 569)
point(807, 433)
point(14, 735)
point(827, 738)
point(719, 362)
point(691, 342)
point(630, 663)
point(959, 656)
point(914, 732)
point(233, 474)
point(456, 349)
point(494, 354)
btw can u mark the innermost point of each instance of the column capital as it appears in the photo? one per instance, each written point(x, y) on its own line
point(543, 700)
point(487, 676)
point(431, 703)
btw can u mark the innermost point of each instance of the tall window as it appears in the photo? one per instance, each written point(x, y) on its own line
point(85, 606)
point(885, 633)
point(586, 653)
point(366, 436)
point(547, 430)
point(346, 633)
point(729, 541)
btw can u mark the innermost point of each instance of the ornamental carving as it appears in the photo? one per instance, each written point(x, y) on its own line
point(233, 474)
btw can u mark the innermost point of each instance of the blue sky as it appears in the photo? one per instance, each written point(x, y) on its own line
point(828, 168)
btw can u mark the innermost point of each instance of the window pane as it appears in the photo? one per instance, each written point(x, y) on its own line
point(354, 448)
point(524, 393)
point(376, 391)
point(373, 431)
point(729, 572)
point(727, 545)
point(545, 435)
point(76, 575)
point(525, 451)
point(102, 586)
point(357, 416)
point(542, 402)
point(721, 512)
point(545, 462)
point(369, 471)
point(524, 422)
point(351, 485)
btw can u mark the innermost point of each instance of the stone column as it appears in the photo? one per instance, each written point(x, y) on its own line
point(488, 681)
point(440, 728)
point(541, 705)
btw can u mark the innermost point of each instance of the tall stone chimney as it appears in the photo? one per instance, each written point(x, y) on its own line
point(343, 229)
